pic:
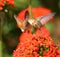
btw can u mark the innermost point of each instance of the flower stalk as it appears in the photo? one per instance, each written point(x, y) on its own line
point(0, 38)
point(30, 7)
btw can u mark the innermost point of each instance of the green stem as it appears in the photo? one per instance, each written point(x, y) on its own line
point(1, 36)
point(0, 48)
point(30, 6)
point(0, 44)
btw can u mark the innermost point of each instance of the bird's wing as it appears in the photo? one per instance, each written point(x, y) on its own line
point(20, 23)
point(17, 20)
point(46, 18)
point(26, 17)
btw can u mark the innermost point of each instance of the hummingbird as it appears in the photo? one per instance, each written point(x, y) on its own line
point(41, 20)
point(31, 22)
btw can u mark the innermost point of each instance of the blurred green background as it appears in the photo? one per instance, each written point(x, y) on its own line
point(9, 33)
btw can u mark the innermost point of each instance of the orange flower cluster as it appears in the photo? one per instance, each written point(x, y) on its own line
point(3, 2)
point(10, 2)
point(38, 44)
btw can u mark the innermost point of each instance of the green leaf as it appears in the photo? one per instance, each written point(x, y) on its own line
point(8, 27)
point(50, 27)
point(59, 4)
point(0, 48)
point(45, 48)
point(36, 3)
point(33, 30)
point(21, 4)
point(41, 51)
